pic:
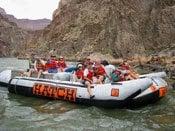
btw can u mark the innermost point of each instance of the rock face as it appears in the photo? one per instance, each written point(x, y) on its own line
point(15, 34)
point(12, 38)
point(2, 11)
point(30, 24)
point(26, 23)
point(115, 27)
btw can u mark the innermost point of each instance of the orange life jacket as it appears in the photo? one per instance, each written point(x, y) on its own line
point(40, 66)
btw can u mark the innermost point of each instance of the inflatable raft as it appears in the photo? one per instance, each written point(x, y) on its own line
point(133, 93)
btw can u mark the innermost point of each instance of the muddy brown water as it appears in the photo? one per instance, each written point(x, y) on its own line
point(25, 113)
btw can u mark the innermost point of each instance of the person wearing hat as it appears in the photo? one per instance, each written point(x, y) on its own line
point(127, 71)
point(88, 75)
point(52, 65)
point(99, 73)
point(61, 63)
point(78, 75)
point(86, 61)
point(109, 69)
point(39, 67)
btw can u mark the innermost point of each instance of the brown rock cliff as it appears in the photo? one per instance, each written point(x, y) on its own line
point(12, 38)
point(115, 27)
point(26, 24)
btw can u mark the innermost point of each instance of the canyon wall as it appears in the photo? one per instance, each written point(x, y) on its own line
point(117, 28)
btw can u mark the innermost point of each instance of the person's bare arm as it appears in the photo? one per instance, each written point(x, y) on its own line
point(35, 68)
point(42, 62)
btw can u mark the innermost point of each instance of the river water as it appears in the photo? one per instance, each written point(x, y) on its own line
point(25, 113)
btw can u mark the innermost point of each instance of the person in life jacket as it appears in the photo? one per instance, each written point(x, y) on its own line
point(88, 78)
point(86, 61)
point(61, 63)
point(78, 75)
point(39, 67)
point(128, 72)
point(117, 76)
point(99, 73)
point(52, 65)
point(109, 69)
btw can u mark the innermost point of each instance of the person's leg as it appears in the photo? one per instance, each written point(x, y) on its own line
point(131, 76)
point(95, 80)
point(74, 78)
point(88, 84)
point(128, 77)
point(30, 72)
point(134, 75)
point(21, 73)
point(25, 74)
point(101, 79)
point(39, 73)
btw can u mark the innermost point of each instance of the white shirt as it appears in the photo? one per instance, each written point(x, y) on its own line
point(109, 69)
point(86, 72)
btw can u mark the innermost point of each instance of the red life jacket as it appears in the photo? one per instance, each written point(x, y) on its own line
point(90, 75)
point(79, 74)
point(51, 64)
point(47, 65)
point(117, 73)
point(100, 71)
point(62, 64)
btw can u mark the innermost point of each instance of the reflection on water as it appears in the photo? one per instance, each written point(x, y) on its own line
point(19, 113)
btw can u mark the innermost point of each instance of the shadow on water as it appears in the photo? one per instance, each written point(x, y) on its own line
point(43, 105)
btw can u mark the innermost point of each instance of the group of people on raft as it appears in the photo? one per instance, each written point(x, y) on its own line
point(87, 72)
point(52, 65)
